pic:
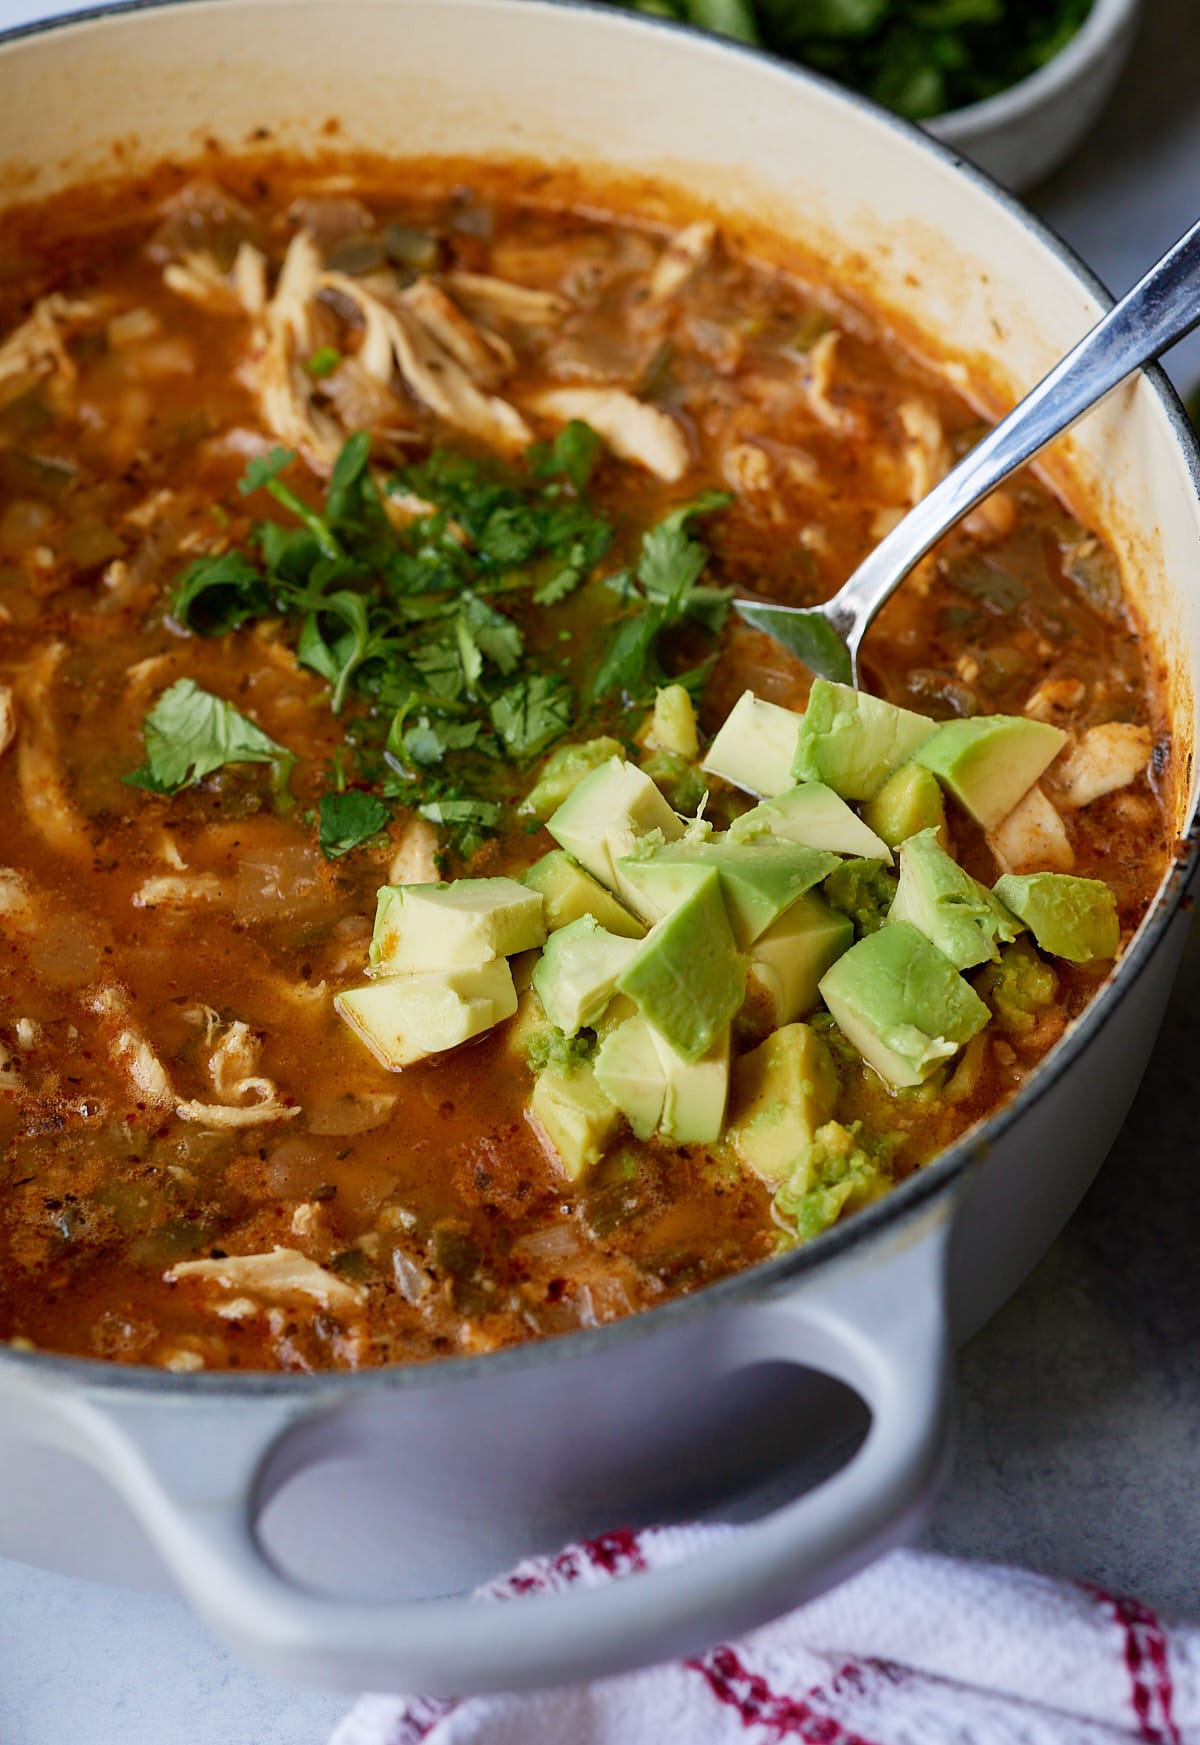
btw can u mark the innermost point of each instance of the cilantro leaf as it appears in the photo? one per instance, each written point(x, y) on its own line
point(348, 819)
point(190, 733)
point(216, 594)
point(661, 594)
point(533, 713)
point(262, 474)
point(572, 455)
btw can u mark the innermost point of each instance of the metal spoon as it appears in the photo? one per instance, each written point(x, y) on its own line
point(1160, 309)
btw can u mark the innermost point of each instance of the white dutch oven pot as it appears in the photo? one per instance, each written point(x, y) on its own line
point(327, 1525)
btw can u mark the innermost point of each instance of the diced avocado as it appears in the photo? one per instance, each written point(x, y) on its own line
point(755, 747)
point(815, 815)
point(1069, 917)
point(576, 1115)
point(806, 941)
point(630, 1071)
point(576, 975)
point(954, 911)
point(562, 773)
point(529, 1021)
point(853, 741)
point(673, 727)
point(1018, 988)
point(759, 879)
point(619, 1008)
point(568, 892)
point(990, 761)
point(836, 1174)
point(606, 815)
point(677, 779)
point(909, 801)
point(420, 927)
point(902, 1003)
point(862, 890)
point(782, 1092)
point(403, 1018)
point(686, 975)
point(694, 1092)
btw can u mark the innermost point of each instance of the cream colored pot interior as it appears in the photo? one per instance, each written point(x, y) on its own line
point(479, 77)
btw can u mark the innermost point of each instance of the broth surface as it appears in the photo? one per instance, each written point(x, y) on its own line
point(174, 1082)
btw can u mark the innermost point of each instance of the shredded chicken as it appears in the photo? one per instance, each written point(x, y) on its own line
point(444, 361)
point(1033, 838)
point(8, 719)
point(1055, 699)
point(282, 1273)
point(819, 382)
point(1106, 758)
point(681, 260)
point(197, 277)
point(38, 346)
point(39, 765)
point(250, 278)
point(232, 1068)
point(485, 356)
point(130, 1049)
point(286, 340)
point(632, 429)
point(180, 890)
point(501, 300)
point(15, 904)
point(926, 452)
point(415, 861)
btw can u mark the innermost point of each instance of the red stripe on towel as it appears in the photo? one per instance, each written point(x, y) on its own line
point(757, 1705)
point(1152, 1692)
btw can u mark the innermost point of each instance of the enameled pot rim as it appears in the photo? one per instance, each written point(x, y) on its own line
point(904, 1202)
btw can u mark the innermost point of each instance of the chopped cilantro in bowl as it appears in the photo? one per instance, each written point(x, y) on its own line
point(919, 58)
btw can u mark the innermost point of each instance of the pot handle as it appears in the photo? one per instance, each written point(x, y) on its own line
point(875, 1322)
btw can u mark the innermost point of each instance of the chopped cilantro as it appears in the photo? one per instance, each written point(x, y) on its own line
point(662, 593)
point(216, 594)
point(572, 455)
point(533, 713)
point(190, 733)
point(348, 819)
point(323, 361)
point(432, 634)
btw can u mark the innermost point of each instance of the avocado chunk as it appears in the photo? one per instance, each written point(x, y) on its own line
point(695, 1092)
point(404, 1018)
point(902, 1003)
point(796, 951)
point(836, 1175)
point(1069, 917)
point(686, 976)
point(991, 761)
point(863, 891)
point(909, 801)
point(852, 741)
point(814, 815)
point(576, 1116)
point(673, 725)
point(568, 892)
point(759, 879)
point(755, 747)
point(954, 911)
point(609, 811)
point(444, 926)
point(783, 1091)
point(562, 773)
point(630, 1072)
point(576, 975)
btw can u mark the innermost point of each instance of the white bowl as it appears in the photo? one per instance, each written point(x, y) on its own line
point(1021, 134)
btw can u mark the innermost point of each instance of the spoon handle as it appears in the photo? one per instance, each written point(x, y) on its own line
point(1161, 308)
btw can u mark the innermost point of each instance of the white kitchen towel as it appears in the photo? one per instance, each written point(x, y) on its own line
point(918, 1650)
